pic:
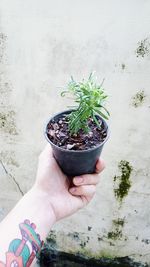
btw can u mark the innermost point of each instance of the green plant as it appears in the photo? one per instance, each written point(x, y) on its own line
point(89, 97)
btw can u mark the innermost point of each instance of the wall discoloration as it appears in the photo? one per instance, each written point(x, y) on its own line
point(9, 158)
point(80, 241)
point(51, 239)
point(89, 228)
point(84, 242)
point(143, 48)
point(80, 238)
point(5, 87)
point(146, 241)
point(8, 122)
point(138, 99)
point(119, 222)
point(123, 66)
point(51, 258)
point(100, 238)
point(74, 235)
point(116, 233)
point(122, 183)
point(3, 39)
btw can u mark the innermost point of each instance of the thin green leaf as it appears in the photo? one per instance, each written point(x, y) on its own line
point(101, 114)
point(106, 110)
point(63, 93)
point(96, 121)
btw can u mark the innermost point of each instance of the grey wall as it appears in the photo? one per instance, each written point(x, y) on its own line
point(41, 44)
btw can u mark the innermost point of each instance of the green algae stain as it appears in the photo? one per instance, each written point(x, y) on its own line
point(3, 39)
point(143, 48)
point(116, 233)
point(119, 222)
point(83, 244)
point(74, 235)
point(8, 122)
point(51, 239)
point(138, 99)
point(9, 158)
point(122, 182)
point(2, 120)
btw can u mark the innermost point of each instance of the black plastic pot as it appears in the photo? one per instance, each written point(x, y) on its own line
point(76, 162)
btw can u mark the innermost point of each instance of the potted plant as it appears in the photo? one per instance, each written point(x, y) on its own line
point(77, 135)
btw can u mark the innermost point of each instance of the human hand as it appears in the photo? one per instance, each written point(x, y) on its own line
point(64, 200)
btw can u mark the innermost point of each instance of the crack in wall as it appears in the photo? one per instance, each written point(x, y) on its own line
point(12, 177)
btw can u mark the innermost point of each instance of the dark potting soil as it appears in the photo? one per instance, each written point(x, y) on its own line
point(58, 133)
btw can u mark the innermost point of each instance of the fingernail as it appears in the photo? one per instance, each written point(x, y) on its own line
point(72, 190)
point(78, 180)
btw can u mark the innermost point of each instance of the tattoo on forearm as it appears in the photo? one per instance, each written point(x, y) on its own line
point(21, 252)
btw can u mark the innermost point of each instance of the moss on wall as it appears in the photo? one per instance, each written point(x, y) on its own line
point(123, 181)
point(116, 233)
point(119, 222)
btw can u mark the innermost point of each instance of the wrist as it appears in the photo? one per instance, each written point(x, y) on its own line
point(42, 200)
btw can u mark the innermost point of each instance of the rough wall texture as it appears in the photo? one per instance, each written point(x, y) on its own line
point(41, 44)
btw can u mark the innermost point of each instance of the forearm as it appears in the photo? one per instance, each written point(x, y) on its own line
point(23, 230)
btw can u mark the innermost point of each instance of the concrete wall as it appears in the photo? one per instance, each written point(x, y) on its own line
point(41, 44)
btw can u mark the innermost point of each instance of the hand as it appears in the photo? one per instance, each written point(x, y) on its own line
point(64, 200)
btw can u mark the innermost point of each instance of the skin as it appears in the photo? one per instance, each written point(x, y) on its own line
point(50, 199)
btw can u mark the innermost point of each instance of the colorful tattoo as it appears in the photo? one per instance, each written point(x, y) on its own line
point(21, 252)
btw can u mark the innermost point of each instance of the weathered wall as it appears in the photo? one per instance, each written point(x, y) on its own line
point(41, 44)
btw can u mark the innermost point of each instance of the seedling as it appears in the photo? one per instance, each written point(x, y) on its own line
point(90, 98)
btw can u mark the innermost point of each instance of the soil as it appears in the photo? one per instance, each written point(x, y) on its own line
point(58, 133)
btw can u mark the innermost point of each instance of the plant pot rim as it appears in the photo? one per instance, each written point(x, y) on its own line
point(74, 151)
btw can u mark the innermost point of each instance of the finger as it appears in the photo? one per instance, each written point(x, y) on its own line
point(87, 191)
point(100, 166)
point(87, 179)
